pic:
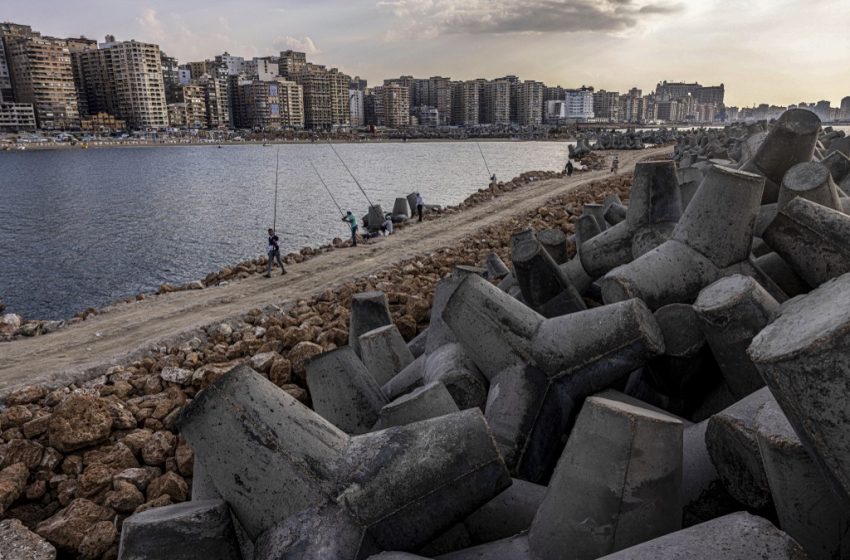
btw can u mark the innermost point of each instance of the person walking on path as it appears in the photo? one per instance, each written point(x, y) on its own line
point(420, 205)
point(274, 253)
point(352, 223)
point(615, 165)
point(569, 168)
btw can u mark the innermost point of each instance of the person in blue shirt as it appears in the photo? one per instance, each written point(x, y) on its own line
point(352, 222)
point(274, 253)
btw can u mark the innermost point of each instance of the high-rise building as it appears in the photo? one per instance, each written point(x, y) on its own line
point(440, 96)
point(271, 105)
point(16, 117)
point(675, 90)
point(529, 103)
point(190, 110)
point(136, 71)
point(76, 46)
point(198, 69)
point(230, 65)
point(358, 83)
point(711, 94)
point(325, 92)
point(42, 75)
point(357, 115)
point(465, 104)
point(392, 105)
point(579, 103)
point(291, 63)
point(7, 31)
point(667, 111)
point(555, 93)
point(216, 101)
point(496, 102)
point(265, 68)
point(844, 113)
point(170, 76)
point(606, 105)
point(632, 106)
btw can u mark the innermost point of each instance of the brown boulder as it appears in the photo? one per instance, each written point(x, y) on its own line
point(97, 540)
point(125, 497)
point(19, 543)
point(68, 527)
point(94, 482)
point(15, 416)
point(170, 484)
point(26, 395)
point(136, 440)
point(162, 501)
point(21, 451)
point(263, 362)
point(280, 371)
point(159, 448)
point(79, 421)
point(117, 457)
point(36, 426)
point(301, 354)
point(140, 477)
point(13, 480)
point(184, 458)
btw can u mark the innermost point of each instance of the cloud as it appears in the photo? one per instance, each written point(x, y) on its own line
point(151, 24)
point(430, 18)
point(305, 45)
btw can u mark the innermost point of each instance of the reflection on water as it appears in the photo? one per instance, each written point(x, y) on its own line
point(85, 228)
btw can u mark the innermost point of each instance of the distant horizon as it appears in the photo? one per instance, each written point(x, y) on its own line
point(763, 51)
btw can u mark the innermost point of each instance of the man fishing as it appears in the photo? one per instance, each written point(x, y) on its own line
point(274, 253)
point(568, 169)
point(420, 205)
point(352, 223)
point(615, 165)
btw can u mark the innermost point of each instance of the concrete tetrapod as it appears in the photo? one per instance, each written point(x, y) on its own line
point(343, 391)
point(732, 311)
point(384, 352)
point(807, 509)
point(813, 239)
point(401, 208)
point(429, 401)
point(586, 228)
point(540, 279)
point(496, 267)
point(655, 206)
point(737, 536)
point(196, 529)
point(592, 511)
point(309, 488)
point(597, 212)
point(712, 239)
point(803, 358)
point(733, 446)
point(812, 181)
point(453, 367)
point(369, 310)
point(614, 211)
point(375, 217)
point(555, 243)
point(791, 141)
point(540, 369)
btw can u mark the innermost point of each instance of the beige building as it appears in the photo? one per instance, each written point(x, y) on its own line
point(102, 122)
point(606, 105)
point(465, 103)
point(42, 76)
point(7, 31)
point(15, 117)
point(392, 105)
point(216, 101)
point(325, 96)
point(190, 109)
point(529, 103)
point(496, 103)
point(138, 83)
point(268, 105)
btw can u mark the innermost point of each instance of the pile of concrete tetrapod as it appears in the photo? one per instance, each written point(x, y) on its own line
point(676, 390)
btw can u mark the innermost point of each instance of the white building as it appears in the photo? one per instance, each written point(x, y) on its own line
point(579, 104)
point(356, 108)
point(556, 111)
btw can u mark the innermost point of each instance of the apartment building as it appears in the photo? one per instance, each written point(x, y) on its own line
point(325, 92)
point(138, 84)
point(606, 105)
point(16, 117)
point(7, 31)
point(465, 103)
point(291, 63)
point(216, 101)
point(496, 103)
point(392, 105)
point(529, 103)
point(42, 75)
point(356, 110)
point(268, 105)
point(579, 103)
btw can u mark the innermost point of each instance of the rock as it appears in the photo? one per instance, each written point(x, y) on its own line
point(79, 421)
point(137, 439)
point(176, 375)
point(21, 451)
point(162, 501)
point(301, 354)
point(264, 361)
point(184, 458)
point(19, 543)
point(117, 457)
point(13, 479)
point(140, 478)
point(158, 448)
point(15, 416)
point(280, 372)
point(125, 497)
point(9, 324)
point(170, 484)
point(67, 528)
point(27, 395)
point(36, 426)
point(97, 540)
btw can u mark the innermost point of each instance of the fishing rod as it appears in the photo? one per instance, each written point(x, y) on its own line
point(276, 175)
point(487, 167)
point(326, 187)
point(350, 173)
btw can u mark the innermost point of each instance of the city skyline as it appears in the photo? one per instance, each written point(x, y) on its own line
point(764, 52)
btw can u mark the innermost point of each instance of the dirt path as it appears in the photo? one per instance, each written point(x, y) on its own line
point(129, 330)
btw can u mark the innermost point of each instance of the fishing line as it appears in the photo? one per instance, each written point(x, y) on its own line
point(326, 187)
point(350, 173)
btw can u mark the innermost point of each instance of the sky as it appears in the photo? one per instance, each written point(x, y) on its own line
point(763, 51)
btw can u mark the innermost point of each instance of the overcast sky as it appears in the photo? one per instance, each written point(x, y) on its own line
point(775, 51)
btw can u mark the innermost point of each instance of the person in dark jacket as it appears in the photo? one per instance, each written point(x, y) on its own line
point(274, 253)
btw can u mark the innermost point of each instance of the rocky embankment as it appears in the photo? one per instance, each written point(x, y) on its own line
point(79, 460)
point(13, 326)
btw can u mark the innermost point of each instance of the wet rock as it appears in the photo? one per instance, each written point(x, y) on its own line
point(79, 421)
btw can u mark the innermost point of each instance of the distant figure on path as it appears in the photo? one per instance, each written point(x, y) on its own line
point(387, 226)
point(420, 205)
point(569, 168)
point(615, 165)
point(274, 253)
point(352, 222)
point(493, 178)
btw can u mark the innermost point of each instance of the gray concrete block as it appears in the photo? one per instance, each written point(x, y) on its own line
point(704, 497)
point(513, 548)
point(343, 391)
point(539, 277)
point(401, 208)
point(418, 344)
point(597, 212)
point(203, 487)
point(439, 333)
point(508, 514)
point(452, 366)
point(806, 507)
point(732, 311)
point(733, 446)
point(738, 536)
point(369, 310)
point(496, 267)
point(407, 379)
point(577, 275)
point(781, 273)
point(384, 353)
point(586, 229)
point(425, 402)
point(803, 357)
point(810, 180)
point(197, 529)
point(838, 165)
point(813, 239)
point(592, 511)
point(555, 243)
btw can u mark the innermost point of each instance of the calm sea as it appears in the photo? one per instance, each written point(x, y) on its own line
point(84, 228)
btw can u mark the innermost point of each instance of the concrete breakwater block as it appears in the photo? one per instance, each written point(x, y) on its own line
point(714, 235)
point(496, 267)
point(804, 356)
point(384, 352)
point(781, 273)
point(806, 507)
point(586, 228)
point(196, 529)
point(732, 443)
point(555, 243)
point(731, 312)
point(369, 310)
point(614, 211)
point(655, 205)
point(343, 391)
point(428, 401)
point(704, 497)
point(401, 208)
point(791, 141)
point(738, 536)
point(592, 511)
point(539, 277)
point(452, 366)
point(813, 239)
point(375, 217)
point(812, 181)
point(597, 212)
point(310, 490)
